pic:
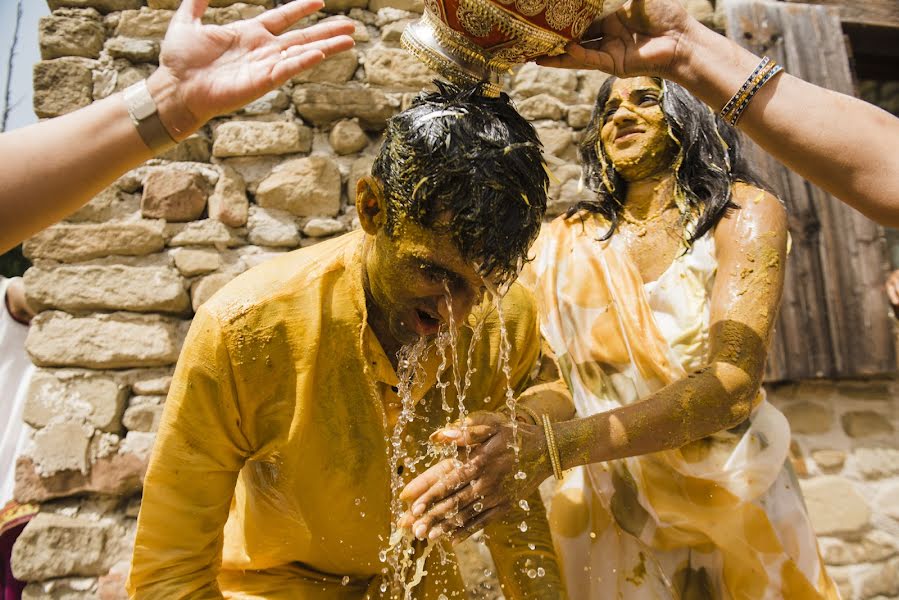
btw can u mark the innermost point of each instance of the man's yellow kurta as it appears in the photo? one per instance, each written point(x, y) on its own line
point(277, 422)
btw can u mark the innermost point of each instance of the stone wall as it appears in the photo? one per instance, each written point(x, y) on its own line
point(118, 281)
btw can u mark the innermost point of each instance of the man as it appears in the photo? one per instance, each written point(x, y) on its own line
point(281, 415)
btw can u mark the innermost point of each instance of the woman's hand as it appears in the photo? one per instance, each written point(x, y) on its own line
point(209, 70)
point(460, 496)
point(642, 38)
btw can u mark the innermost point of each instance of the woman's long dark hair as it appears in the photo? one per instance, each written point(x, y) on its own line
point(708, 163)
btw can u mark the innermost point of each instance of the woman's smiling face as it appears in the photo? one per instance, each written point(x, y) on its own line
point(634, 132)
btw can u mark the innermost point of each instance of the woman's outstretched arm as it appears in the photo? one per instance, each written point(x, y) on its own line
point(48, 170)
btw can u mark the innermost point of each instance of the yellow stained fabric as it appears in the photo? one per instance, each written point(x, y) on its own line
point(721, 518)
point(276, 422)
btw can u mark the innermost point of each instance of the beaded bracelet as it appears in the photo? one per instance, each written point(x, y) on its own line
point(762, 74)
point(551, 447)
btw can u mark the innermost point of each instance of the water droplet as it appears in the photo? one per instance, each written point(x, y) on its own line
point(541, 571)
point(523, 526)
point(345, 580)
point(382, 555)
point(488, 573)
point(383, 587)
point(592, 535)
point(532, 547)
point(358, 501)
point(532, 573)
point(524, 504)
point(521, 475)
point(442, 597)
point(478, 506)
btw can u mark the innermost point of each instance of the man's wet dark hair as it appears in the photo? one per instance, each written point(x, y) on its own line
point(469, 165)
point(709, 161)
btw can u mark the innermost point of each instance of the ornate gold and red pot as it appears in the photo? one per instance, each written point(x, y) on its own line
point(469, 41)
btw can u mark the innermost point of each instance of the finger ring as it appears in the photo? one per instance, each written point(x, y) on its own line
point(283, 54)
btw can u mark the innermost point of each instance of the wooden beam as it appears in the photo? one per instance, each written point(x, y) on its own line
point(878, 13)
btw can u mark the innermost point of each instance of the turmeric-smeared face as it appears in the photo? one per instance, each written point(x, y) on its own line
point(408, 273)
point(634, 132)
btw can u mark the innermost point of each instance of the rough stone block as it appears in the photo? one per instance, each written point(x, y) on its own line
point(874, 547)
point(877, 463)
point(103, 341)
point(360, 168)
point(541, 106)
point(320, 227)
point(230, 13)
point(204, 288)
point(74, 396)
point(71, 36)
point(252, 169)
point(558, 141)
point(393, 32)
point(134, 50)
point(347, 137)
point(74, 243)
point(579, 115)
point(175, 196)
point(143, 417)
point(829, 460)
point(256, 138)
point(65, 588)
point(809, 417)
point(323, 104)
point(59, 546)
point(341, 6)
point(103, 6)
point(888, 500)
point(531, 79)
point(111, 204)
point(145, 23)
point(107, 287)
point(174, 4)
point(880, 581)
point(154, 386)
point(273, 101)
point(337, 69)
point(120, 472)
point(564, 192)
point(61, 86)
point(61, 446)
point(850, 515)
point(305, 187)
point(228, 202)
point(207, 232)
point(272, 227)
point(408, 5)
point(397, 68)
point(196, 261)
point(193, 149)
point(866, 423)
point(589, 84)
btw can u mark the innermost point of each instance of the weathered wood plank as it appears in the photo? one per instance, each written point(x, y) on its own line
point(834, 317)
point(881, 13)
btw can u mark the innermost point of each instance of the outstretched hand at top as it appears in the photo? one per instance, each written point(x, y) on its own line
point(642, 38)
point(215, 69)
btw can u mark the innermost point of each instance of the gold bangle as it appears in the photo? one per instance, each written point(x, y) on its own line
point(551, 447)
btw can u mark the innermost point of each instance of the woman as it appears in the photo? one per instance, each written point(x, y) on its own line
point(658, 298)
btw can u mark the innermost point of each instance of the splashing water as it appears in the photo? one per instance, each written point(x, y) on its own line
point(405, 556)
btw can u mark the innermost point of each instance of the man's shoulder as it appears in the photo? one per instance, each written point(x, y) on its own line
point(287, 278)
